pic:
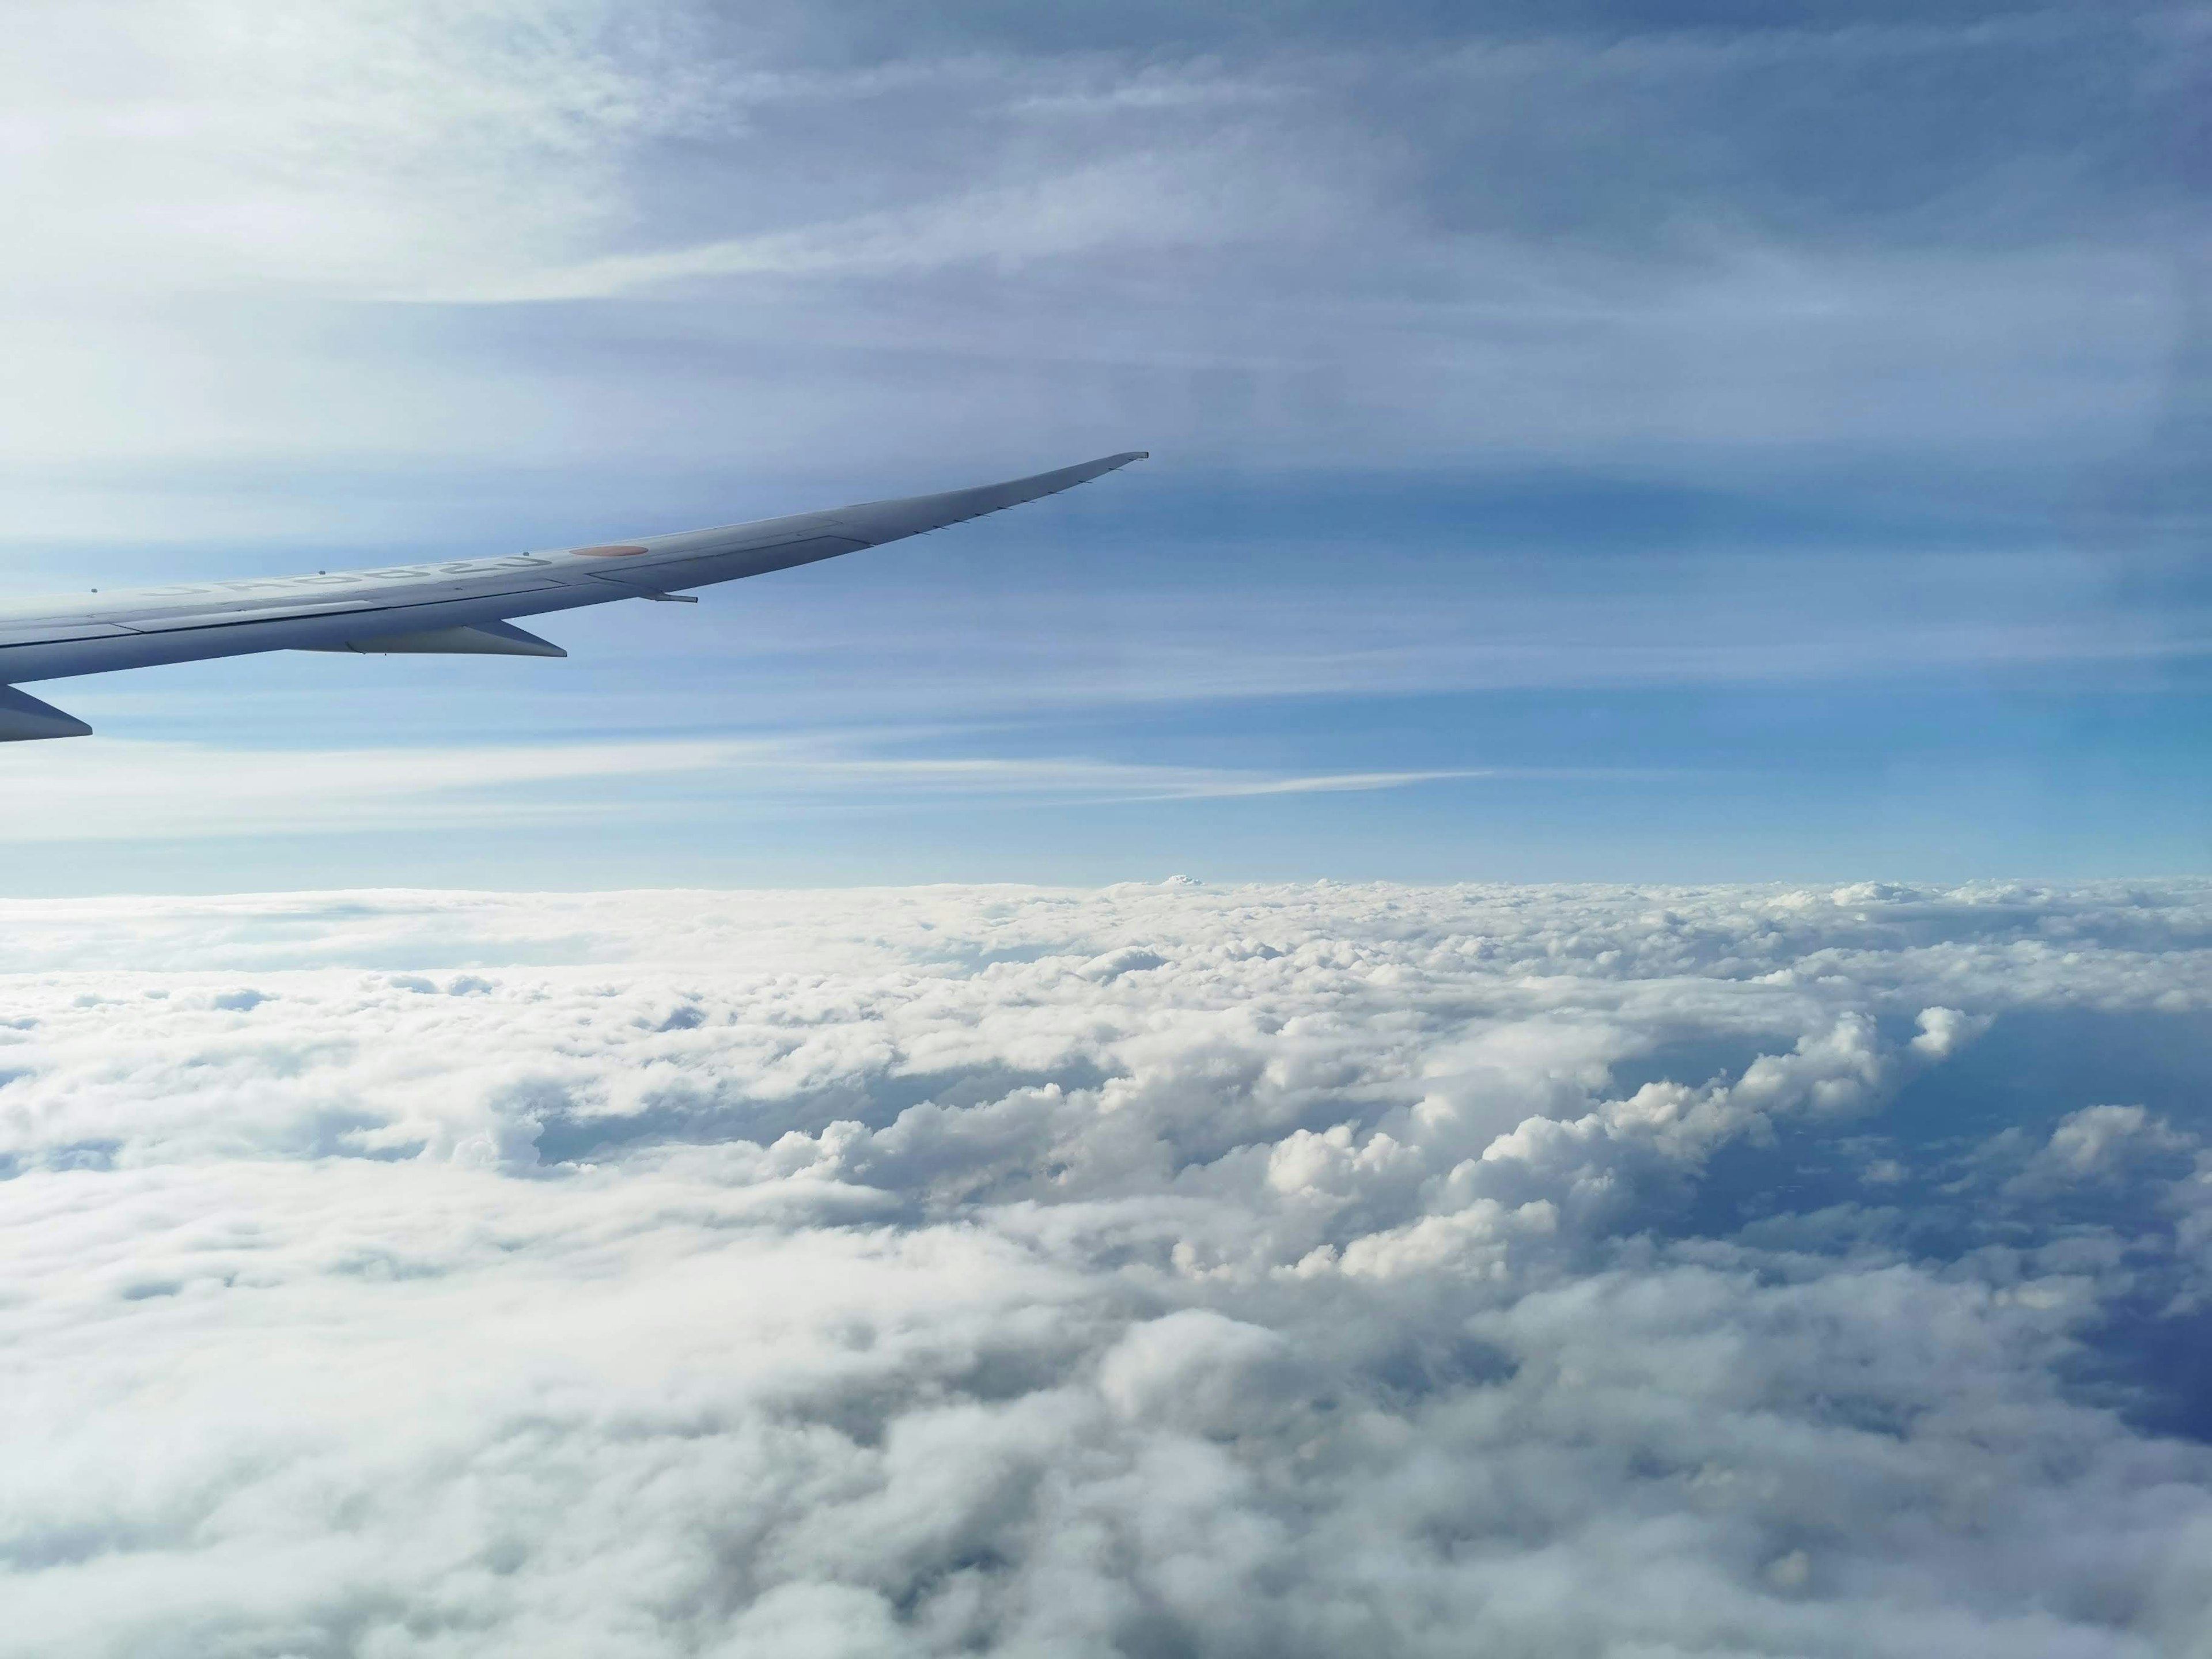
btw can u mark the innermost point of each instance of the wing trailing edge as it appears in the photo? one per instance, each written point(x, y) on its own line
point(487, 639)
point(454, 607)
point(24, 719)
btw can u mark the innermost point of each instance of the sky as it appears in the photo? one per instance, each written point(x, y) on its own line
point(1599, 442)
point(1547, 991)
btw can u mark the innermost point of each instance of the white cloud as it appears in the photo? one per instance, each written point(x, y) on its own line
point(1287, 1270)
point(260, 230)
point(1943, 1031)
point(1128, 204)
point(354, 148)
point(124, 790)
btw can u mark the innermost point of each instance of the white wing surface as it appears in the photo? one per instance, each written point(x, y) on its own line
point(465, 605)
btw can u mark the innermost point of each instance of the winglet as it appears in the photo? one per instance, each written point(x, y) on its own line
point(24, 719)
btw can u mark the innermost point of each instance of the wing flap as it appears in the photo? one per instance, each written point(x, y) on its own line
point(24, 719)
point(164, 621)
point(274, 611)
point(57, 632)
point(492, 639)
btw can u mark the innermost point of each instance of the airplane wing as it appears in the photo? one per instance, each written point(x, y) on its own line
point(463, 606)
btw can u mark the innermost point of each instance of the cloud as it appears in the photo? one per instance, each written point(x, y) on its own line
point(404, 235)
point(1154, 1268)
point(102, 793)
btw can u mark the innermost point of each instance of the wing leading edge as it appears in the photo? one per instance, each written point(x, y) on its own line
point(463, 606)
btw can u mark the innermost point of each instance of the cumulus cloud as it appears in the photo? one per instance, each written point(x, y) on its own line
point(1157, 1269)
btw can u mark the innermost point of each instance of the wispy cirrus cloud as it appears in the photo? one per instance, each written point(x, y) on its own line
point(126, 790)
point(1625, 236)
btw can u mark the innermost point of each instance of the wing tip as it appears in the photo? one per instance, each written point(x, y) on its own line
point(1084, 471)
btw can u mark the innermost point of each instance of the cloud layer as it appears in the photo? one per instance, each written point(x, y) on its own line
point(660, 235)
point(1154, 1270)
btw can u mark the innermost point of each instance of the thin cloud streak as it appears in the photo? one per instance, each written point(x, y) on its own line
point(126, 790)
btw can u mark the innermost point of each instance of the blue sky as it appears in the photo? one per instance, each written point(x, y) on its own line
point(1745, 458)
point(1610, 441)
